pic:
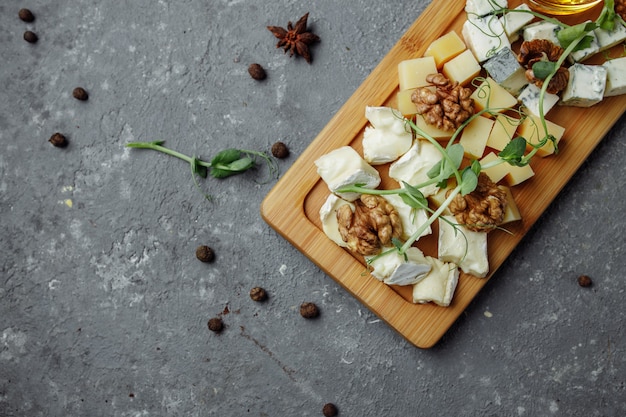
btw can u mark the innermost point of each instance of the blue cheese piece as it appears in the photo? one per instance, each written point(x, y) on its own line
point(504, 68)
point(609, 38)
point(585, 86)
point(389, 136)
point(542, 30)
point(484, 7)
point(529, 97)
point(394, 269)
point(582, 54)
point(438, 285)
point(514, 22)
point(328, 216)
point(412, 218)
point(343, 167)
point(464, 247)
point(615, 77)
point(413, 166)
point(484, 36)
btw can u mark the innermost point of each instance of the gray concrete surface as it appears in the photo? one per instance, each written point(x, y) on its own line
point(104, 307)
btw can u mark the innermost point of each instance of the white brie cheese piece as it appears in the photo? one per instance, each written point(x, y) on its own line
point(343, 167)
point(585, 86)
point(484, 7)
point(413, 166)
point(529, 97)
point(328, 216)
point(389, 137)
point(582, 54)
point(542, 30)
point(392, 269)
point(411, 218)
point(514, 22)
point(615, 77)
point(484, 36)
point(466, 248)
point(609, 38)
point(439, 285)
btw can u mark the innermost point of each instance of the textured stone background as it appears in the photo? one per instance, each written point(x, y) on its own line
point(104, 307)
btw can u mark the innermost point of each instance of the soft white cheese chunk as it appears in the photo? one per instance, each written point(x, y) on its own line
point(609, 38)
point(529, 97)
point(343, 167)
point(328, 216)
point(439, 285)
point(615, 77)
point(388, 138)
point(585, 86)
point(582, 54)
point(542, 30)
point(413, 166)
point(393, 269)
point(412, 219)
point(514, 22)
point(484, 7)
point(464, 247)
point(484, 36)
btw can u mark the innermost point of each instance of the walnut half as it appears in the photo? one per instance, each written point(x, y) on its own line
point(482, 209)
point(543, 50)
point(373, 224)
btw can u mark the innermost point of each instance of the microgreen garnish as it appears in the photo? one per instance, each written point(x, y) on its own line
point(225, 164)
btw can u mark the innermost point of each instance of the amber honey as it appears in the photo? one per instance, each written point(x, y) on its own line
point(562, 7)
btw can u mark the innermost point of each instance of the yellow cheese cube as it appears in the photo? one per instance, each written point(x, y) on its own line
point(462, 68)
point(439, 197)
point(412, 72)
point(533, 131)
point(490, 95)
point(431, 130)
point(445, 48)
point(496, 172)
point(511, 212)
point(517, 175)
point(404, 103)
point(475, 135)
point(503, 131)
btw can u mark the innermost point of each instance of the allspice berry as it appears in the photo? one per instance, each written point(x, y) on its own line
point(280, 150)
point(205, 253)
point(79, 93)
point(257, 72)
point(216, 324)
point(30, 37)
point(26, 15)
point(58, 140)
point(330, 410)
point(258, 294)
point(309, 310)
point(584, 281)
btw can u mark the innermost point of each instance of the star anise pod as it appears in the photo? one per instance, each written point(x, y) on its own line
point(296, 38)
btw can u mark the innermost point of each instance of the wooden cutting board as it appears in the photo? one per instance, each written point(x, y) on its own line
point(292, 206)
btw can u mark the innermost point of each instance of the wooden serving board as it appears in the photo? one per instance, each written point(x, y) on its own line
point(292, 206)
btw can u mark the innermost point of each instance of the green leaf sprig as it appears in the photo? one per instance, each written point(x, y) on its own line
point(226, 163)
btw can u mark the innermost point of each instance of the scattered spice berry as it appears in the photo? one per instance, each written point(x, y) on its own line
point(280, 150)
point(584, 281)
point(30, 37)
point(309, 310)
point(26, 15)
point(58, 140)
point(330, 410)
point(258, 294)
point(79, 93)
point(295, 39)
point(205, 253)
point(257, 72)
point(216, 324)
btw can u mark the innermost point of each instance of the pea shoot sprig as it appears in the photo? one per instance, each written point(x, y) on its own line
point(226, 163)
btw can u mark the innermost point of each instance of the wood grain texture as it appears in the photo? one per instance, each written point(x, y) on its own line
point(292, 206)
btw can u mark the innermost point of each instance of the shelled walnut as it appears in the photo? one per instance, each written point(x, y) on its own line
point(537, 50)
point(373, 224)
point(446, 106)
point(482, 209)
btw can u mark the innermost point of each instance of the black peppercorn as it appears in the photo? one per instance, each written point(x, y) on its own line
point(30, 37)
point(309, 310)
point(330, 410)
point(215, 324)
point(258, 294)
point(257, 72)
point(26, 15)
point(584, 281)
point(205, 253)
point(280, 150)
point(79, 93)
point(58, 140)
